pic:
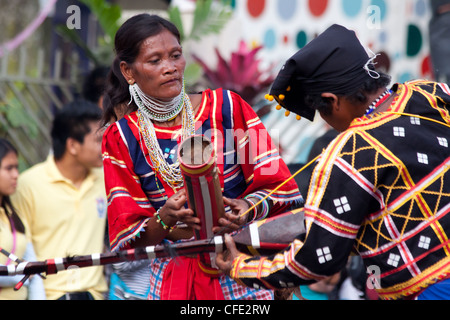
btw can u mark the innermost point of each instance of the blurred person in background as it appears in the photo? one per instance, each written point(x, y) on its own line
point(439, 32)
point(13, 233)
point(63, 201)
point(94, 85)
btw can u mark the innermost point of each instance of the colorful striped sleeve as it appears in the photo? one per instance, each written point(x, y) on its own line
point(128, 207)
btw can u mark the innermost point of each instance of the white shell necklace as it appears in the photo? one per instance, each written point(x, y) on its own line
point(170, 173)
point(154, 108)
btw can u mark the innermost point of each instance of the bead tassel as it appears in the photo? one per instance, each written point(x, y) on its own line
point(281, 97)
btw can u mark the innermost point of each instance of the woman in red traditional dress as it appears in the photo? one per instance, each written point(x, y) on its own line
point(146, 198)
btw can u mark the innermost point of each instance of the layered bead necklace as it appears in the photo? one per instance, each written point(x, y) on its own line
point(375, 104)
point(147, 112)
point(157, 109)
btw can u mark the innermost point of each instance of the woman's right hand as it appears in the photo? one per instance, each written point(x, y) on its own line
point(174, 211)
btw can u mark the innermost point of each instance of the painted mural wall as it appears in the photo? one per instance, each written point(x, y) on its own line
point(395, 29)
point(398, 29)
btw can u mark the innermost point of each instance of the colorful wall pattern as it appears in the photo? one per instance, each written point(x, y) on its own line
point(396, 29)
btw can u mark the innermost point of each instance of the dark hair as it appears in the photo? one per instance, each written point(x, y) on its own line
point(72, 121)
point(94, 84)
point(5, 148)
point(127, 43)
point(359, 96)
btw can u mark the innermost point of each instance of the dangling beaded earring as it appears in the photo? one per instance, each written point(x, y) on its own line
point(280, 99)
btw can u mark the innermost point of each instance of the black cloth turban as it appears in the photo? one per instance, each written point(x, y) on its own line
point(333, 62)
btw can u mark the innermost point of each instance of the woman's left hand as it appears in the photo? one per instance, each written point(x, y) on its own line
point(236, 218)
point(224, 260)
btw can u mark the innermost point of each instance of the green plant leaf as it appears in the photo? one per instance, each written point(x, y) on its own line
point(209, 18)
point(72, 36)
point(175, 18)
point(192, 73)
point(108, 15)
point(16, 116)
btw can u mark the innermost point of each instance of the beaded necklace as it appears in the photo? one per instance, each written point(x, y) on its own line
point(169, 172)
point(157, 109)
point(375, 104)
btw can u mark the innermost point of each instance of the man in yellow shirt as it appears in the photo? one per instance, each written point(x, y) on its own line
point(63, 203)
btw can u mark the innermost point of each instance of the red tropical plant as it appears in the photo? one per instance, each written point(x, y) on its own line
point(241, 74)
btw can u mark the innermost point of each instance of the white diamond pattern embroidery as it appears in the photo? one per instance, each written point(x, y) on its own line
point(443, 142)
point(424, 242)
point(422, 158)
point(324, 255)
point(415, 121)
point(342, 205)
point(399, 131)
point(286, 285)
point(393, 260)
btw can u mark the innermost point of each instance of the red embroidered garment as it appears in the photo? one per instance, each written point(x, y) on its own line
point(199, 285)
point(247, 159)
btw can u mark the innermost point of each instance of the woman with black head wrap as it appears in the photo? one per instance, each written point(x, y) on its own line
point(380, 189)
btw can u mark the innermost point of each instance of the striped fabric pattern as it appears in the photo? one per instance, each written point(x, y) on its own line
point(381, 189)
point(247, 160)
